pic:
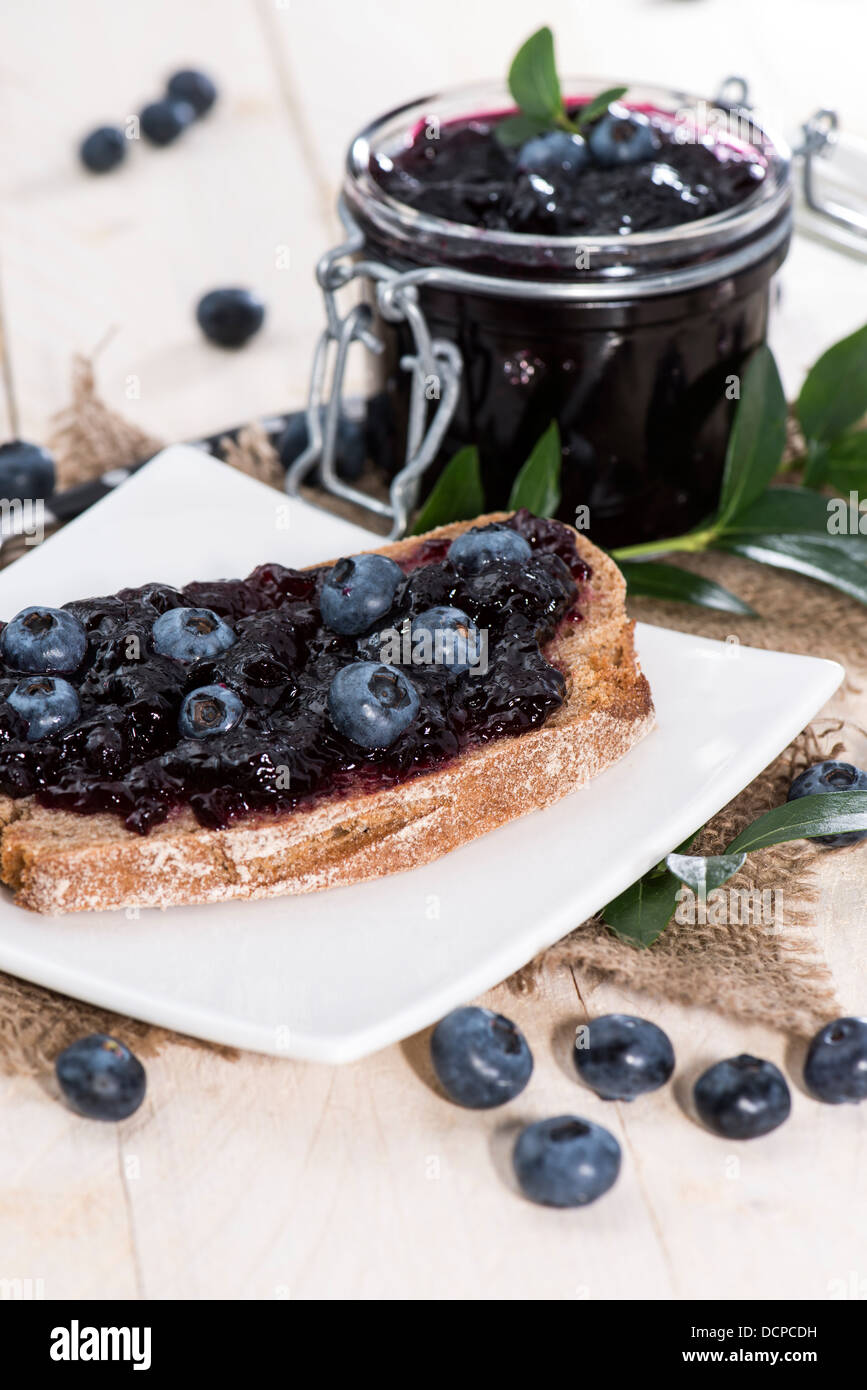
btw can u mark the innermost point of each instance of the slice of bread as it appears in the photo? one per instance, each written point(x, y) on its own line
point(57, 861)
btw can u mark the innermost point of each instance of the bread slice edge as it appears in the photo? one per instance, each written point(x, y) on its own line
point(59, 862)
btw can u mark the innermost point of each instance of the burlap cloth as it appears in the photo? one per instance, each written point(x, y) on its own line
point(773, 971)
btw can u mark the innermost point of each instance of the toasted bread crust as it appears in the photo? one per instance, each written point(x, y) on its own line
point(57, 861)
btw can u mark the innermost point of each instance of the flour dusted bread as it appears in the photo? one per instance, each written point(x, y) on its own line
point(57, 861)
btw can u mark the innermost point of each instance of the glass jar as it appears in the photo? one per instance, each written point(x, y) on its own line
point(632, 343)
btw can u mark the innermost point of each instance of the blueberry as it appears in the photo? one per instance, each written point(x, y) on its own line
point(26, 471)
point(193, 87)
point(103, 149)
point(622, 137)
point(836, 1067)
point(351, 442)
point(481, 1059)
point(566, 1161)
point(556, 152)
point(622, 1057)
point(742, 1097)
point(100, 1078)
point(444, 636)
point(295, 437)
point(230, 317)
point(478, 547)
point(357, 592)
point(44, 639)
point(188, 634)
point(46, 703)
point(212, 709)
point(371, 704)
point(163, 121)
point(830, 777)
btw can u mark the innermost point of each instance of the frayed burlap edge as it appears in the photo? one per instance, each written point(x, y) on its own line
point(775, 973)
point(36, 1024)
point(87, 439)
point(770, 969)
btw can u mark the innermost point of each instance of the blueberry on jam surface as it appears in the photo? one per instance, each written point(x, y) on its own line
point(641, 177)
point(166, 717)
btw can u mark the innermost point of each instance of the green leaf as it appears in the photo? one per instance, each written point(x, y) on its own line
point(847, 462)
point(834, 395)
point(789, 509)
point(757, 439)
point(641, 913)
point(456, 495)
point(834, 560)
point(652, 580)
point(516, 130)
point(537, 486)
point(591, 110)
point(533, 79)
point(826, 813)
point(815, 464)
point(704, 872)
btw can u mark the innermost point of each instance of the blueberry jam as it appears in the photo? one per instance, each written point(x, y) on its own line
point(641, 253)
point(125, 753)
point(467, 175)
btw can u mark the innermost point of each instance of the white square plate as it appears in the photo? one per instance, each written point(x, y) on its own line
point(332, 976)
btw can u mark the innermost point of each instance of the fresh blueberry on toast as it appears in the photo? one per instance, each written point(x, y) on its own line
point(300, 729)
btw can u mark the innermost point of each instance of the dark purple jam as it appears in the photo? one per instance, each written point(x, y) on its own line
point(125, 755)
point(638, 382)
point(467, 175)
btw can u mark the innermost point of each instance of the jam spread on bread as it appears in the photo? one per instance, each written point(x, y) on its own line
point(225, 697)
point(557, 185)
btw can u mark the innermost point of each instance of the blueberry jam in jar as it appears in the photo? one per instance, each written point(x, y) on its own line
point(619, 299)
point(120, 732)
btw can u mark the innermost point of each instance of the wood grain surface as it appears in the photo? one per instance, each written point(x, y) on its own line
point(261, 1179)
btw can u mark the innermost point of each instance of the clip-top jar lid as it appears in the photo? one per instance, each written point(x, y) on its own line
point(649, 262)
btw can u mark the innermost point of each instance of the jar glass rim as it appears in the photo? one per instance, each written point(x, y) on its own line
point(407, 225)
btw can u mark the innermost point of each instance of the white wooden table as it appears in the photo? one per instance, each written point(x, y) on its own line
point(260, 1179)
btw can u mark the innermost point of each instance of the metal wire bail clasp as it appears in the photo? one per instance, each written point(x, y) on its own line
point(820, 135)
point(435, 374)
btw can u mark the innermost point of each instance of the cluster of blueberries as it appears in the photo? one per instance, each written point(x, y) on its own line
point(370, 703)
point(620, 137)
point(482, 1060)
point(189, 94)
point(228, 316)
point(46, 641)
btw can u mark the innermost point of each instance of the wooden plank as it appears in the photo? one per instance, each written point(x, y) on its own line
point(126, 256)
point(8, 422)
point(65, 1227)
point(267, 1179)
point(359, 1182)
point(291, 1180)
point(258, 1178)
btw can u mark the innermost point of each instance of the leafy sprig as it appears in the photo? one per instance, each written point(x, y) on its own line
point(785, 526)
point(641, 914)
point(457, 494)
point(535, 86)
point(780, 525)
